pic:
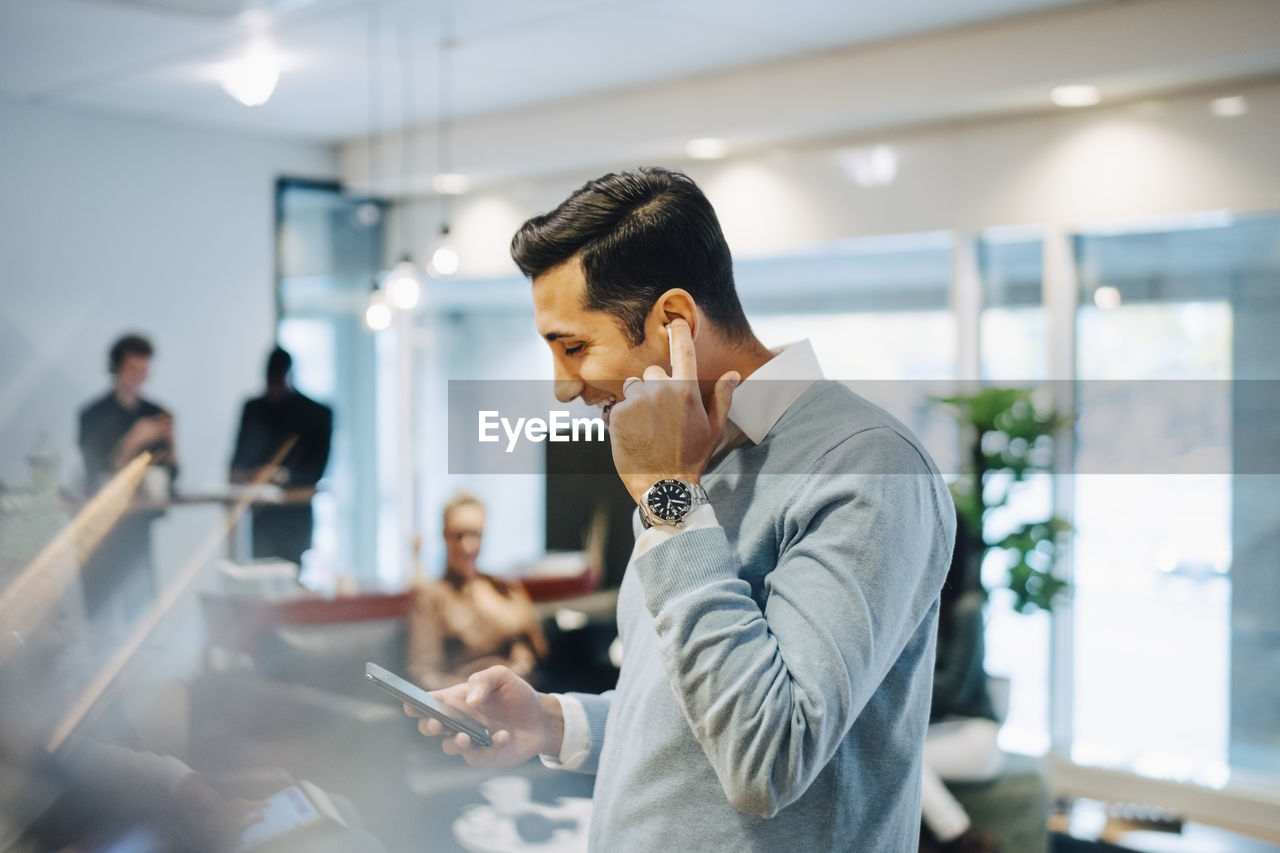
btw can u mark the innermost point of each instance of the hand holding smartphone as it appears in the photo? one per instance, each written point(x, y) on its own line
point(453, 721)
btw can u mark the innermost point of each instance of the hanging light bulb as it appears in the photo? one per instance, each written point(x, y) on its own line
point(403, 285)
point(252, 78)
point(444, 261)
point(378, 314)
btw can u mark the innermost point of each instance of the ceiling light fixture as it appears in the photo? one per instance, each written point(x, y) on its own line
point(1107, 298)
point(706, 148)
point(1229, 107)
point(377, 315)
point(252, 78)
point(451, 183)
point(402, 285)
point(1075, 95)
point(876, 166)
point(447, 183)
point(378, 312)
point(444, 261)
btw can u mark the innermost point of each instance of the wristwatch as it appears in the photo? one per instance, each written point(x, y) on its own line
point(668, 502)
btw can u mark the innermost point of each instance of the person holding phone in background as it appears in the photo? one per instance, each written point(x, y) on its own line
point(779, 612)
point(114, 429)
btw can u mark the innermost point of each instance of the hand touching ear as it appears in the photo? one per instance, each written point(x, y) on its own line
point(662, 429)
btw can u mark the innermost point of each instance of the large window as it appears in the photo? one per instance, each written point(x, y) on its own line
point(1166, 319)
point(1013, 329)
point(877, 313)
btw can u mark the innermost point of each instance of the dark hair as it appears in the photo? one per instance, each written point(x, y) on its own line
point(278, 365)
point(126, 346)
point(638, 234)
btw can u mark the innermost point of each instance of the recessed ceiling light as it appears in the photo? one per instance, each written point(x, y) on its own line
point(706, 148)
point(1230, 107)
point(876, 166)
point(451, 183)
point(1075, 95)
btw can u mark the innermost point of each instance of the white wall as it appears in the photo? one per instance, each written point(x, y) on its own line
point(109, 225)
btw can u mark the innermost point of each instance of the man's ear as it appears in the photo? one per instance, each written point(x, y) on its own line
point(676, 304)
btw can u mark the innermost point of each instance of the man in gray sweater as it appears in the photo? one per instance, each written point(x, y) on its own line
point(778, 614)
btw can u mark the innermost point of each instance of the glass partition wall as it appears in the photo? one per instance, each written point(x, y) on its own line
point(328, 247)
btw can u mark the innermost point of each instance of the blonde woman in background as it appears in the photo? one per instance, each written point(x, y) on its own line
point(467, 620)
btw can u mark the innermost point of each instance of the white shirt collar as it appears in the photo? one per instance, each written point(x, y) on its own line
point(768, 392)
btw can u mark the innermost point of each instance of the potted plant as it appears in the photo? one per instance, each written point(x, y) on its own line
point(1009, 435)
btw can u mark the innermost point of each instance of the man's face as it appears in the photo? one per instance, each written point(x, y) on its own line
point(132, 373)
point(463, 532)
point(592, 355)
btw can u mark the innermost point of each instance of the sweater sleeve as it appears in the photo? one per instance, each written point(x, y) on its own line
point(596, 707)
point(770, 692)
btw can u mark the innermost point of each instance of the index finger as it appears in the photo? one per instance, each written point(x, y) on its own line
point(684, 361)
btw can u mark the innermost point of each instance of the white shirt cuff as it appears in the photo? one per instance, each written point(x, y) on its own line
point(703, 515)
point(576, 745)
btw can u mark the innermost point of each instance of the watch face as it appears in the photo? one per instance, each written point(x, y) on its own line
point(669, 500)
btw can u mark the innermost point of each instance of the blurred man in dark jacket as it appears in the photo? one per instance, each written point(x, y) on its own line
point(266, 424)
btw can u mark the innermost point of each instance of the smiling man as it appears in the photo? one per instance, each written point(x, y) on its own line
point(779, 609)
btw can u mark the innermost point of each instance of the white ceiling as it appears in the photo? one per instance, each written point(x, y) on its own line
point(159, 59)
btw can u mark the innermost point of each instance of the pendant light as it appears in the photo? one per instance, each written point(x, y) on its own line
point(378, 313)
point(404, 282)
point(446, 183)
point(378, 310)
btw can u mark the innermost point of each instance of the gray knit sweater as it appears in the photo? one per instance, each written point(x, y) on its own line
point(776, 672)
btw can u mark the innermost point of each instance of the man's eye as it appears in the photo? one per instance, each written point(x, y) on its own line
point(573, 350)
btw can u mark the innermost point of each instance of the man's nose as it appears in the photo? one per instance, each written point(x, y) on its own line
point(568, 385)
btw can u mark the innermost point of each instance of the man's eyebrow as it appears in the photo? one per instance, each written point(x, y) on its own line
point(555, 336)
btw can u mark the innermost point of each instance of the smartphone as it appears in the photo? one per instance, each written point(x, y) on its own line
point(289, 812)
point(405, 691)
